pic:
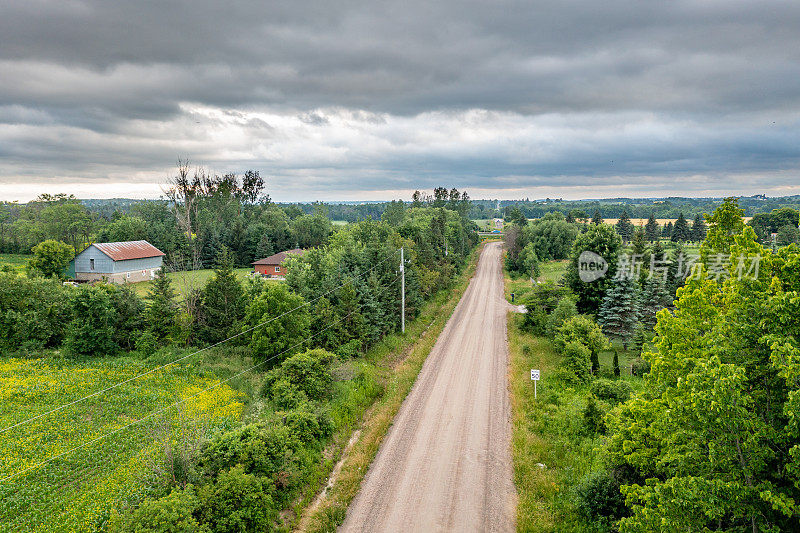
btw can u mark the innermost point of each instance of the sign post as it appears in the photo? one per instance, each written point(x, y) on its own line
point(534, 378)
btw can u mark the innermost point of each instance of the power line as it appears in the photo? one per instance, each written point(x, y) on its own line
point(184, 400)
point(166, 365)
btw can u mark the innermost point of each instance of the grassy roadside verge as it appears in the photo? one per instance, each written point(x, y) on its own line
point(552, 449)
point(401, 358)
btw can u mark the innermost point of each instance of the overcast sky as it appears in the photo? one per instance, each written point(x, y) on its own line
point(371, 100)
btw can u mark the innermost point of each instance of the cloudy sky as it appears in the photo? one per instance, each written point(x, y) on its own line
point(370, 100)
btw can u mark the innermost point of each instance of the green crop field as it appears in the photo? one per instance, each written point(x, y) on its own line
point(78, 490)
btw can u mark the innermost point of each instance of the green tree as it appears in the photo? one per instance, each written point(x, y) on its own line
point(714, 431)
point(585, 331)
point(50, 258)
point(723, 225)
point(624, 227)
point(91, 331)
point(161, 311)
point(698, 232)
point(222, 302)
point(602, 240)
point(597, 218)
point(395, 213)
point(279, 323)
point(528, 261)
point(651, 229)
point(237, 502)
point(681, 231)
point(174, 513)
point(619, 312)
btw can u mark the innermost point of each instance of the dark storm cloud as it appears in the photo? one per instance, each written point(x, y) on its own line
point(93, 88)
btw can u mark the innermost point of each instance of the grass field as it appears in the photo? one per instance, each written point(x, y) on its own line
point(78, 490)
point(17, 262)
point(187, 280)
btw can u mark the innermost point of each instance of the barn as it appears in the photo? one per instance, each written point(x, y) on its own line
point(272, 266)
point(118, 262)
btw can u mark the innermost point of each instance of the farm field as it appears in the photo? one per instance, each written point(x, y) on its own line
point(77, 491)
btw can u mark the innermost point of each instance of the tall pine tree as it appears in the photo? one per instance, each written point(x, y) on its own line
point(698, 228)
point(222, 303)
point(597, 218)
point(625, 227)
point(161, 312)
point(619, 312)
point(651, 229)
point(681, 231)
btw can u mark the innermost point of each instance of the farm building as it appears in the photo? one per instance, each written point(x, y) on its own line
point(272, 266)
point(117, 262)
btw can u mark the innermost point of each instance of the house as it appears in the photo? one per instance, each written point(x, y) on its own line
point(117, 262)
point(272, 266)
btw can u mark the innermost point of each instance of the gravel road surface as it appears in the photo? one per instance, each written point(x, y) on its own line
point(445, 464)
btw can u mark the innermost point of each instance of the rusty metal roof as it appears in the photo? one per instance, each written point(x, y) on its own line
point(121, 251)
point(278, 258)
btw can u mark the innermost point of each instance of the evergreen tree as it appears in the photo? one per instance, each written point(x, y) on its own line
point(681, 231)
point(619, 312)
point(639, 243)
point(597, 218)
point(221, 302)
point(616, 363)
point(675, 278)
point(651, 229)
point(161, 312)
point(698, 228)
point(654, 297)
point(667, 231)
point(624, 227)
point(264, 248)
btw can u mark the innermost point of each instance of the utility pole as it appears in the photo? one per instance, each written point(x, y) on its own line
point(402, 292)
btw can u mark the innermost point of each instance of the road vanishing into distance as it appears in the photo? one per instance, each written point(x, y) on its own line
point(445, 464)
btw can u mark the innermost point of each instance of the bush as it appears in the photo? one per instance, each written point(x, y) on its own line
point(286, 395)
point(593, 416)
point(306, 426)
point(261, 449)
point(540, 303)
point(565, 310)
point(640, 367)
point(304, 376)
point(599, 498)
point(577, 359)
point(584, 330)
point(171, 514)
point(91, 332)
point(237, 502)
point(147, 343)
point(350, 349)
point(612, 391)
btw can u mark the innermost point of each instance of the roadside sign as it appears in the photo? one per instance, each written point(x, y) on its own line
point(534, 378)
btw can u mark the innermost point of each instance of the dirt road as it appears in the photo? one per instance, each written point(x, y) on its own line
point(445, 464)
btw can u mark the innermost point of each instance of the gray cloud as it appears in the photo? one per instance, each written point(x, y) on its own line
point(505, 96)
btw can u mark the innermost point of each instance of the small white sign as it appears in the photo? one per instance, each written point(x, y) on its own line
point(534, 375)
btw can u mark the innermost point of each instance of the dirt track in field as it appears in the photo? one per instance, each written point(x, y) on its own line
point(445, 464)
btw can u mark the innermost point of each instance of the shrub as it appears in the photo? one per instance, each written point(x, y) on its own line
point(50, 258)
point(577, 359)
point(565, 310)
point(91, 332)
point(612, 391)
point(584, 330)
point(171, 514)
point(261, 449)
point(237, 502)
point(286, 395)
point(593, 417)
point(147, 343)
point(599, 498)
point(640, 367)
point(307, 426)
point(350, 349)
point(301, 376)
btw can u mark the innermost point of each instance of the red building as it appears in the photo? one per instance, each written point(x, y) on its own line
point(272, 266)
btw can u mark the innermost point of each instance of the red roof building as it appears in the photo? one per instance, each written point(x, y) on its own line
point(272, 266)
